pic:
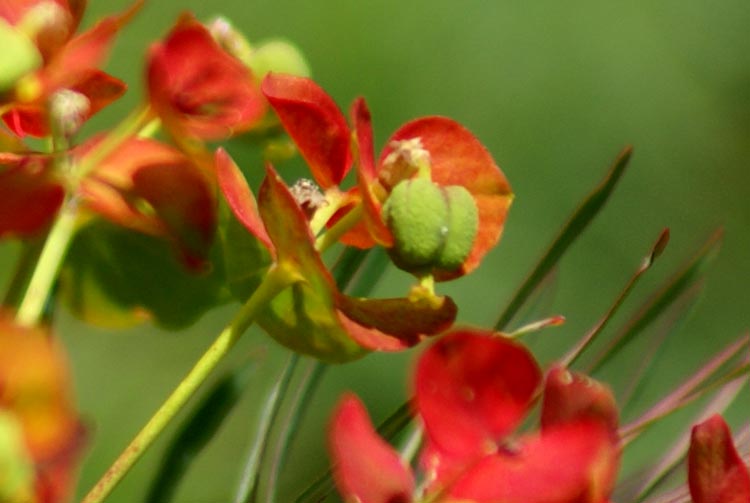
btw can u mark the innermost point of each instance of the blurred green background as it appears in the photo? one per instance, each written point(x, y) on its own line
point(554, 90)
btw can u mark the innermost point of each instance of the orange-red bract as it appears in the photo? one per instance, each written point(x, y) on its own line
point(314, 122)
point(487, 384)
point(30, 194)
point(716, 472)
point(35, 388)
point(198, 89)
point(179, 197)
point(142, 184)
point(368, 470)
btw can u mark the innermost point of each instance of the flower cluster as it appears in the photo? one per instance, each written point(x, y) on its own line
point(327, 323)
point(472, 390)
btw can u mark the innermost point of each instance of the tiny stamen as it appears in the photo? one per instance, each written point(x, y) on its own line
point(308, 196)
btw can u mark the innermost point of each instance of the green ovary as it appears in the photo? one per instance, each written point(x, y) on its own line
point(433, 227)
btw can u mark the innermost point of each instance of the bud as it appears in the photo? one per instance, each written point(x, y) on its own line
point(68, 111)
point(19, 56)
point(433, 227)
point(230, 39)
point(279, 56)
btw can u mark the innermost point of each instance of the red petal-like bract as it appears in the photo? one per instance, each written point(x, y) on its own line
point(562, 465)
point(79, 56)
point(458, 158)
point(239, 197)
point(570, 397)
point(376, 230)
point(314, 122)
point(197, 88)
point(716, 472)
point(180, 200)
point(472, 389)
point(29, 196)
point(35, 389)
point(366, 469)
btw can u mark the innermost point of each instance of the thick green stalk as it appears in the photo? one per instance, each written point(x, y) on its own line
point(31, 308)
point(276, 280)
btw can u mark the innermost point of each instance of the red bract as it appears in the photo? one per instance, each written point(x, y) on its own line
point(472, 390)
point(452, 154)
point(716, 472)
point(142, 185)
point(197, 88)
point(35, 391)
point(369, 470)
point(29, 194)
point(312, 316)
point(70, 63)
point(150, 187)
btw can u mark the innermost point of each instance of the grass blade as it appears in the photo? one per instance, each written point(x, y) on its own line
point(573, 228)
point(670, 292)
point(590, 336)
point(688, 390)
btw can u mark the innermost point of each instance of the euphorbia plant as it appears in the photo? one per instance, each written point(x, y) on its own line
point(129, 225)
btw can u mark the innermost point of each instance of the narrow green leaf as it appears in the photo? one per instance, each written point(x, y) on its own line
point(573, 228)
point(197, 431)
point(672, 317)
point(591, 335)
point(685, 277)
point(310, 373)
point(259, 443)
point(246, 259)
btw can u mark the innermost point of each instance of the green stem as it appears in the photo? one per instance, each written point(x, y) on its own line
point(133, 124)
point(277, 279)
point(50, 260)
point(24, 269)
point(340, 228)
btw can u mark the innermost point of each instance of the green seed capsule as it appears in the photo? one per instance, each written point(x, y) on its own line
point(462, 223)
point(432, 226)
